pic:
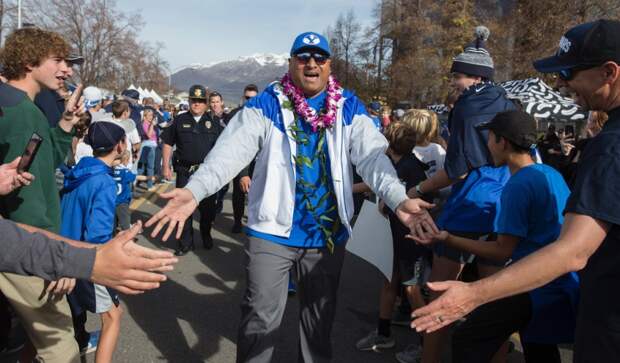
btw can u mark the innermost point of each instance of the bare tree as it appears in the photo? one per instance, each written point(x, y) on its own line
point(344, 38)
point(107, 38)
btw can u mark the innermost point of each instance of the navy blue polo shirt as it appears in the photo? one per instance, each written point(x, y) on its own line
point(473, 202)
point(596, 193)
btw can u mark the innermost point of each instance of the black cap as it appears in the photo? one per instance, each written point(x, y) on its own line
point(197, 92)
point(75, 58)
point(516, 126)
point(103, 135)
point(131, 93)
point(589, 44)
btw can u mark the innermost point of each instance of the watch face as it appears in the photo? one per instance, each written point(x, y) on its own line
point(208, 124)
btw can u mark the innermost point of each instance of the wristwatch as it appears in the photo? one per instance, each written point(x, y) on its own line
point(418, 190)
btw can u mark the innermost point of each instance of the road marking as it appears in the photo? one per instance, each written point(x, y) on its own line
point(148, 196)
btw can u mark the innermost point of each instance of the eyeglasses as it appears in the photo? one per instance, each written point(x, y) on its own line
point(570, 73)
point(304, 58)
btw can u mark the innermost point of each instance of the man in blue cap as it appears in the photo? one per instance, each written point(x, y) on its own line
point(588, 63)
point(306, 132)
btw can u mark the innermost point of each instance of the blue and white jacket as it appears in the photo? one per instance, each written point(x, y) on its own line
point(261, 129)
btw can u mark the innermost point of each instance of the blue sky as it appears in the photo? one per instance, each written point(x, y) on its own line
point(195, 31)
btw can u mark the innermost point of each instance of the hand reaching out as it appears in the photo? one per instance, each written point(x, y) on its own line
point(458, 300)
point(128, 267)
point(180, 206)
point(413, 213)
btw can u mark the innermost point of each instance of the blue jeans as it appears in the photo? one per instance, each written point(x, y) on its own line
point(147, 159)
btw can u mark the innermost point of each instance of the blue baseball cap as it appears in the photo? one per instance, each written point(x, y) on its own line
point(375, 106)
point(310, 40)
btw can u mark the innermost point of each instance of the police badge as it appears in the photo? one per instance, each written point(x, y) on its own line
point(208, 124)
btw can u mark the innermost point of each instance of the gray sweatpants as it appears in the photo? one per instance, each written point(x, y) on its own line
point(267, 266)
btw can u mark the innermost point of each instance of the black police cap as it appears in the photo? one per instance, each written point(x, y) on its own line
point(197, 92)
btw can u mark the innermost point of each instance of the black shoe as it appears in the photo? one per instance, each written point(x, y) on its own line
point(207, 241)
point(237, 228)
point(182, 251)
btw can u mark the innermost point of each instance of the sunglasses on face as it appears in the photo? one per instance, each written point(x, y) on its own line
point(570, 73)
point(304, 58)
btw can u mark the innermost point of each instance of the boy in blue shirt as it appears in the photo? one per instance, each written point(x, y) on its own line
point(124, 179)
point(88, 206)
point(530, 218)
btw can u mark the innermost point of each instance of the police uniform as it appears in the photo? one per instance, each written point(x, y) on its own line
point(193, 140)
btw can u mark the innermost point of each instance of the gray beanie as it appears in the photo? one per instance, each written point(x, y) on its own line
point(476, 59)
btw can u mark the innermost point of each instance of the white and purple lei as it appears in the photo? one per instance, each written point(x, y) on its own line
point(318, 121)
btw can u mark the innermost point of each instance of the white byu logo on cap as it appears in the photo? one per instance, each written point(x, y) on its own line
point(565, 44)
point(311, 39)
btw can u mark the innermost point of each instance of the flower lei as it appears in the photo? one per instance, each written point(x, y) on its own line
point(318, 121)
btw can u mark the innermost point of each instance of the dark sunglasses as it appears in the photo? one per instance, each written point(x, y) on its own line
point(570, 73)
point(304, 58)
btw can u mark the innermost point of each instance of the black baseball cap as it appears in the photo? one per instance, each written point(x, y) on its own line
point(589, 44)
point(103, 135)
point(131, 93)
point(197, 92)
point(75, 58)
point(516, 126)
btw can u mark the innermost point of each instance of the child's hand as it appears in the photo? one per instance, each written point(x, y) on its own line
point(441, 236)
point(437, 237)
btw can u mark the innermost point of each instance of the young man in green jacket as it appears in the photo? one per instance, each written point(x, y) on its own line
point(33, 60)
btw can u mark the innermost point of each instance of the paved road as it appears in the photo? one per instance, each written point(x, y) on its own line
point(193, 317)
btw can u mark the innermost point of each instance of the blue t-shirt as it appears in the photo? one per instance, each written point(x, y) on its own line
point(532, 204)
point(474, 202)
point(306, 231)
point(124, 178)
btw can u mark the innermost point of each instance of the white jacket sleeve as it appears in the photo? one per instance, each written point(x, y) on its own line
point(368, 147)
point(233, 151)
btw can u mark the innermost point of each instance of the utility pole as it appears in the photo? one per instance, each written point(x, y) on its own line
point(19, 14)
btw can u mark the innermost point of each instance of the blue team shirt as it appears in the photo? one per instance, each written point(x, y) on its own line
point(305, 232)
point(124, 178)
point(532, 204)
point(474, 202)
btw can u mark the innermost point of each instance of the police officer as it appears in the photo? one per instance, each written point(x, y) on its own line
point(194, 133)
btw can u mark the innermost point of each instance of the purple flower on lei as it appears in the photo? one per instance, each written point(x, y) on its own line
point(318, 121)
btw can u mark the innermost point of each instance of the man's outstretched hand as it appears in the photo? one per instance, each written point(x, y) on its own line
point(413, 213)
point(458, 299)
point(180, 206)
point(128, 267)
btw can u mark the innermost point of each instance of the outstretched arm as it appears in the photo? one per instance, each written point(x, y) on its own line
point(581, 236)
point(235, 149)
point(120, 263)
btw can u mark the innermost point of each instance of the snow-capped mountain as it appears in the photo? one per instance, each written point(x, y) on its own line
point(229, 77)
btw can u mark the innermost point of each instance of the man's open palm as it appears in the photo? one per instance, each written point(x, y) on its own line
point(180, 206)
